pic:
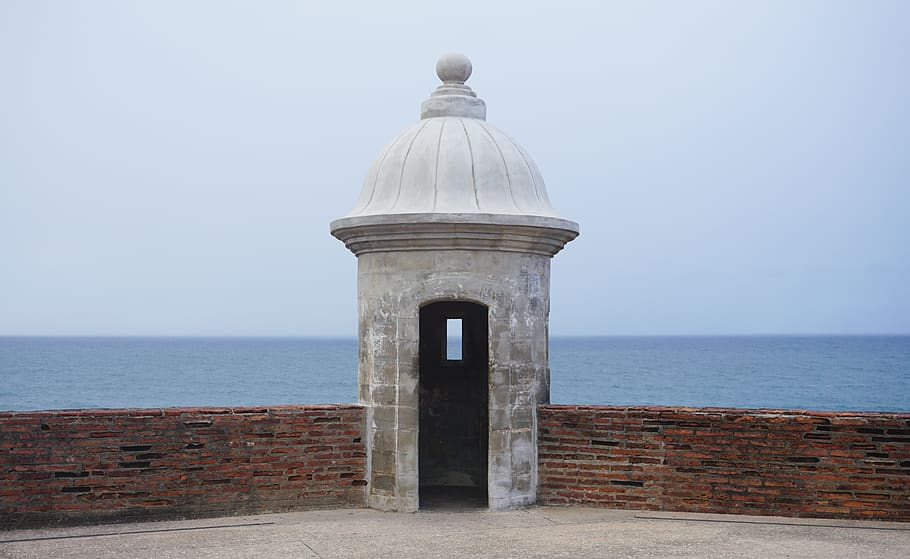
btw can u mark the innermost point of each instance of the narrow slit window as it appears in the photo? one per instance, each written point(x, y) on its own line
point(453, 339)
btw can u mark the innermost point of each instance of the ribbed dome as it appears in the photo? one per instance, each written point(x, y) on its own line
point(453, 181)
point(453, 165)
point(452, 161)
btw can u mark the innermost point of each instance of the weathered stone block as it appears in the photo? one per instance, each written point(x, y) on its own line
point(500, 419)
point(383, 395)
point(383, 462)
point(500, 441)
point(380, 482)
point(383, 415)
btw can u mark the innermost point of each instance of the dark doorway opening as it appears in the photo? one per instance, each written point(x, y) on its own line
point(454, 416)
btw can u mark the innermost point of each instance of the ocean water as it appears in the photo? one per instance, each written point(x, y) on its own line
point(861, 373)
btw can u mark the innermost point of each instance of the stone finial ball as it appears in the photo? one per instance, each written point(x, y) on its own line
point(453, 67)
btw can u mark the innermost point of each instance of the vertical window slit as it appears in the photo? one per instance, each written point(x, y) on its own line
point(454, 339)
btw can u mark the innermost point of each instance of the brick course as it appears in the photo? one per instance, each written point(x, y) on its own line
point(79, 466)
point(765, 462)
point(94, 465)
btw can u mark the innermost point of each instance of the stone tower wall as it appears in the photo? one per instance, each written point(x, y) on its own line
point(392, 286)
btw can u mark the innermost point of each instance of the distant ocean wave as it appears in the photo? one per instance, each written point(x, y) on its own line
point(807, 372)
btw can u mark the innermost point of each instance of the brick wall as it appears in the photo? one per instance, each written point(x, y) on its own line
point(97, 465)
point(778, 462)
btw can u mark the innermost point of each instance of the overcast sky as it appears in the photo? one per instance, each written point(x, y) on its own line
point(171, 168)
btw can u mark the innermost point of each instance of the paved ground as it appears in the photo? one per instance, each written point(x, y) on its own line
point(529, 533)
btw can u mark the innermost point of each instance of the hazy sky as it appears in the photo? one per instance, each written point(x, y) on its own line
point(735, 167)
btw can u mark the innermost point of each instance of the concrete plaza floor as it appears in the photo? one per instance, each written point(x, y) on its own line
point(544, 532)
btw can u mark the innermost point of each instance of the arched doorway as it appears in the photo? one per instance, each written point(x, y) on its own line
point(453, 403)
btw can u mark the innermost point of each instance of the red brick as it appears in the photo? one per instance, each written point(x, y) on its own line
point(769, 465)
point(216, 477)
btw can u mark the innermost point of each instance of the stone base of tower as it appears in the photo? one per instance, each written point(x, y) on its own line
point(511, 289)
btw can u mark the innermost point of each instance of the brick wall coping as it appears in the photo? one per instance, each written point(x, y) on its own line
point(178, 411)
point(724, 411)
point(293, 408)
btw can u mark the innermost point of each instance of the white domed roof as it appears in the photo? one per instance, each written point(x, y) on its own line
point(453, 161)
point(454, 181)
point(453, 165)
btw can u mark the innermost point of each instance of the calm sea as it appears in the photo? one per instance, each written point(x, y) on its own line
point(818, 372)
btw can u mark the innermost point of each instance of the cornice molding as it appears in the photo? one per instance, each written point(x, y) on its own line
point(545, 236)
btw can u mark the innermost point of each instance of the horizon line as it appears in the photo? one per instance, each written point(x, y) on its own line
point(354, 336)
